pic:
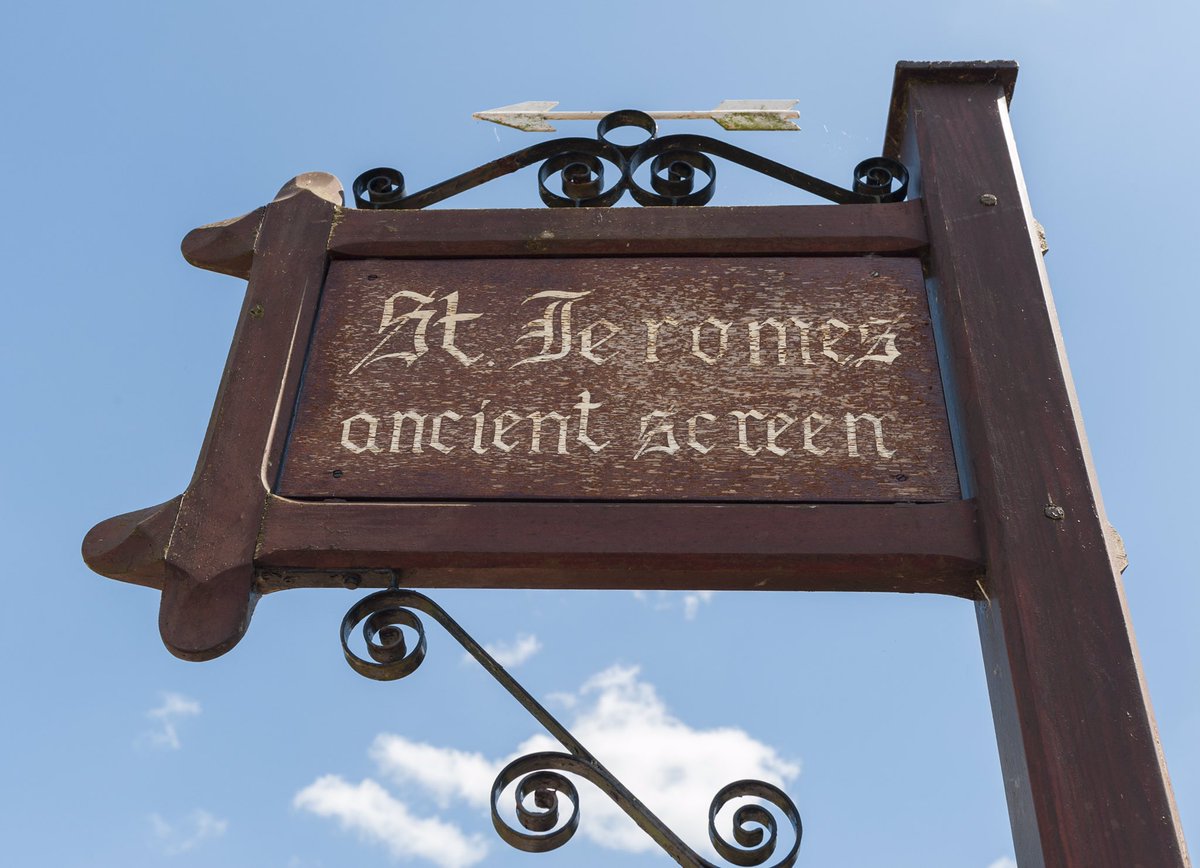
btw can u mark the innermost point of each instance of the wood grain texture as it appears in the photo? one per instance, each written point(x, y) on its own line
point(996, 72)
point(777, 230)
point(931, 548)
point(739, 379)
point(208, 593)
point(1086, 783)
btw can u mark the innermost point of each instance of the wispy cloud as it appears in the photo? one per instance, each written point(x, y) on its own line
point(512, 654)
point(1004, 862)
point(176, 838)
point(691, 603)
point(666, 601)
point(174, 708)
point(674, 767)
point(371, 811)
point(443, 772)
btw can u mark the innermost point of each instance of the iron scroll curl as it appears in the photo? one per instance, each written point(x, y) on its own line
point(539, 780)
point(682, 172)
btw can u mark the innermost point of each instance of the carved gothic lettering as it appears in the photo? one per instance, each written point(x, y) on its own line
point(552, 327)
point(418, 420)
point(535, 443)
point(585, 406)
point(348, 428)
point(829, 338)
point(810, 432)
point(852, 434)
point(692, 440)
point(774, 429)
point(755, 330)
point(587, 343)
point(887, 337)
point(502, 429)
point(722, 340)
point(743, 434)
point(652, 328)
point(435, 434)
point(663, 426)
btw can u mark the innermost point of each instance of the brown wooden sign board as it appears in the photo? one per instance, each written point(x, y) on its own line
point(690, 378)
point(744, 398)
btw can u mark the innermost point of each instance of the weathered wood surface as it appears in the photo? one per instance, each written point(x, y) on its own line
point(928, 548)
point(226, 247)
point(776, 230)
point(208, 593)
point(776, 379)
point(1086, 783)
point(133, 547)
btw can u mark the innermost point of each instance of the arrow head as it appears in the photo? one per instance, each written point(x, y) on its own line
point(527, 116)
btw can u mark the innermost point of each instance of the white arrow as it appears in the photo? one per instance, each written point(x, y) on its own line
point(732, 114)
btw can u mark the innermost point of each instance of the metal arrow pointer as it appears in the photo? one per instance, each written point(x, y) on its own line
point(732, 114)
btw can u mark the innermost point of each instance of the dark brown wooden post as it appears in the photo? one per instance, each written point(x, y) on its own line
point(208, 588)
point(1086, 783)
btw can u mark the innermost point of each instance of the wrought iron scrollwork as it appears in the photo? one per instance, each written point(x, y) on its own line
point(682, 172)
point(539, 780)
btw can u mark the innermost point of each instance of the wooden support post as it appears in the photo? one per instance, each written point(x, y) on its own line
point(1086, 783)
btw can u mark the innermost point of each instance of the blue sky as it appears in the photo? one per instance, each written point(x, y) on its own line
point(131, 123)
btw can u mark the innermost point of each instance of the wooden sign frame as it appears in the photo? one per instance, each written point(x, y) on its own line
point(1029, 541)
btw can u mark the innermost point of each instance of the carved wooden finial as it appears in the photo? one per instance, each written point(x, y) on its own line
point(321, 184)
point(227, 246)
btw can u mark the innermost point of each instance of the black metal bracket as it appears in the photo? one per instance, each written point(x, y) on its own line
point(674, 164)
point(538, 776)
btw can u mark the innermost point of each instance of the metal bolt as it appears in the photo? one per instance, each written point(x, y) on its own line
point(988, 199)
point(351, 580)
point(337, 474)
point(1054, 512)
point(256, 311)
point(874, 274)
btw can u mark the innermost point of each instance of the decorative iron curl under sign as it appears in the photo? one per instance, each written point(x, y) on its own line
point(538, 777)
point(675, 162)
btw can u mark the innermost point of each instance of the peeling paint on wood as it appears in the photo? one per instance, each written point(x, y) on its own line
point(734, 379)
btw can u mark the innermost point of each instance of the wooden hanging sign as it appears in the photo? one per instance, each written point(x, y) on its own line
point(691, 398)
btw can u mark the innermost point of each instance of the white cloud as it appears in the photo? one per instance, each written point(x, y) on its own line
point(175, 839)
point(441, 771)
point(665, 601)
point(562, 700)
point(514, 653)
point(691, 603)
point(372, 812)
point(174, 708)
point(1005, 862)
point(674, 768)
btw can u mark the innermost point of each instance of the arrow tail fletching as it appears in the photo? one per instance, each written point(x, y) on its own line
point(741, 121)
point(756, 114)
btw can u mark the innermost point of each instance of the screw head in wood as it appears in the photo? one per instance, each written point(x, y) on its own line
point(988, 199)
point(1054, 512)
